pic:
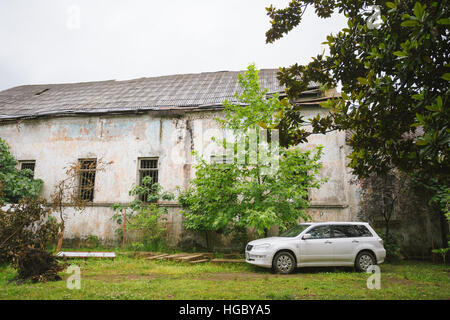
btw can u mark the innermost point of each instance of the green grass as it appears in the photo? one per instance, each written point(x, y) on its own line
point(131, 278)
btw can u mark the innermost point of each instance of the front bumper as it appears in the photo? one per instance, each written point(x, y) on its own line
point(259, 258)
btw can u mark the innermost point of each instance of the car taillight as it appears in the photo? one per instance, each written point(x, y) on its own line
point(380, 240)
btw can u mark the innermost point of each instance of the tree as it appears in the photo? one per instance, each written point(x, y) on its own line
point(395, 83)
point(67, 192)
point(249, 189)
point(15, 184)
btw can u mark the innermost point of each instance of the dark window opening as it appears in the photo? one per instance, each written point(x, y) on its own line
point(350, 231)
point(87, 179)
point(221, 159)
point(28, 164)
point(148, 167)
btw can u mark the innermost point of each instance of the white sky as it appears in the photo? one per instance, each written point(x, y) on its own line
point(126, 39)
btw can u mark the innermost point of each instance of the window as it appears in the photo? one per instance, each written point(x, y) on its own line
point(294, 231)
point(362, 231)
point(221, 159)
point(320, 232)
point(148, 167)
point(350, 231)
point(27, 164)
point(87, 179)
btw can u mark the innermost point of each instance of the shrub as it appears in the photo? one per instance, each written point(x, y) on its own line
point(145, 220)
point(27, 224)
point(392, 249)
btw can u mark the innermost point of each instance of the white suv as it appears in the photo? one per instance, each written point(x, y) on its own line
point(318, 244)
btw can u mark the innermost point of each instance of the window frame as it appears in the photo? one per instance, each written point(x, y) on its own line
point(81, 186)
point(321, 226)
point(368, 233)
point(140, 177)
point(22, 162)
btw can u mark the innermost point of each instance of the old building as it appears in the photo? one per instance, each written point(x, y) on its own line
point(145, 126)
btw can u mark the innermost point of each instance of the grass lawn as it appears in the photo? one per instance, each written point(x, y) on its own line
point(134, 278)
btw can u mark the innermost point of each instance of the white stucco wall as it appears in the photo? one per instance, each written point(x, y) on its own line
point(56, 142)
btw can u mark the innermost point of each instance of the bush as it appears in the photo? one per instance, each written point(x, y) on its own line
point(15, 184)
point(145, 220)
point(25, 225)
point(392, 249)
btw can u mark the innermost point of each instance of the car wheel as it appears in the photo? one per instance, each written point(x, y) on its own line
point(364, 260)
point(283, 263)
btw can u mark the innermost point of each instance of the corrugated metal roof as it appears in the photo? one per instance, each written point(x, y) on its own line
point(166, 92)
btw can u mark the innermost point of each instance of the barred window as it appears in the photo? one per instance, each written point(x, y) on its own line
point(147, 167)
point(87, 179)
point(221, 159)
point(27, 164)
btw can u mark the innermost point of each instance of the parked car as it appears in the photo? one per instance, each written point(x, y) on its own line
point(318, 244)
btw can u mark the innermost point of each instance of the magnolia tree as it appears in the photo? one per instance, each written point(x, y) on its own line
point(257, 184)
point(392, 61)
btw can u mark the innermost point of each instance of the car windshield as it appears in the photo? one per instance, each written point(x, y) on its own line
point(294, 231)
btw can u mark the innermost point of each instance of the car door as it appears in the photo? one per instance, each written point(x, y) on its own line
point(317, 250)
point(345, 241)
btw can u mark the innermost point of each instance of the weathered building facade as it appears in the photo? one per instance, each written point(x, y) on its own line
point(148, 124)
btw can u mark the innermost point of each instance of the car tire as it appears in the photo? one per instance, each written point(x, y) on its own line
point(364, 260)
point(283, 262)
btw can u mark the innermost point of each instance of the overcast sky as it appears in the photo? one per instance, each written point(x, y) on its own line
point(55, 41)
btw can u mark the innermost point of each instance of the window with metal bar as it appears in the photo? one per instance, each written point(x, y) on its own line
point(221, 159)
point(27, 164)
point(87, 179)
point(147, 167)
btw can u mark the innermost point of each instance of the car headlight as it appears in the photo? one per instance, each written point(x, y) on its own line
point(263, 246)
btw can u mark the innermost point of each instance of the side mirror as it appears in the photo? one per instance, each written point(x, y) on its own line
point(307, 236)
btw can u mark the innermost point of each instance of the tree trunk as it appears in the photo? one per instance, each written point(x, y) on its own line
point(444, 229)
point(60, 240)
point(387, 230)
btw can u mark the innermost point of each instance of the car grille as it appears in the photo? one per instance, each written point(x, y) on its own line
point(249, 247)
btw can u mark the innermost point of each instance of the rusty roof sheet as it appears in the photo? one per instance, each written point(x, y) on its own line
point(181, 91)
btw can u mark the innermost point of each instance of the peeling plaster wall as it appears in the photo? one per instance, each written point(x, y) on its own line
point(56, 142)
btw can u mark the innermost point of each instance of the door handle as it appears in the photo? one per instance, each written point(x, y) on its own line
point(328, 241)
point(355, 241)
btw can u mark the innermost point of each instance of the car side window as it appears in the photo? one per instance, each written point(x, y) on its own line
point(320, 232)
point(350, 231)
point(344, 231)
point(362, 231)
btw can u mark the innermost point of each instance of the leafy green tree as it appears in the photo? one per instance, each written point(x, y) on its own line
point(251, 193)
point(225, 196)
point(395, 83)
point(15, 184)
